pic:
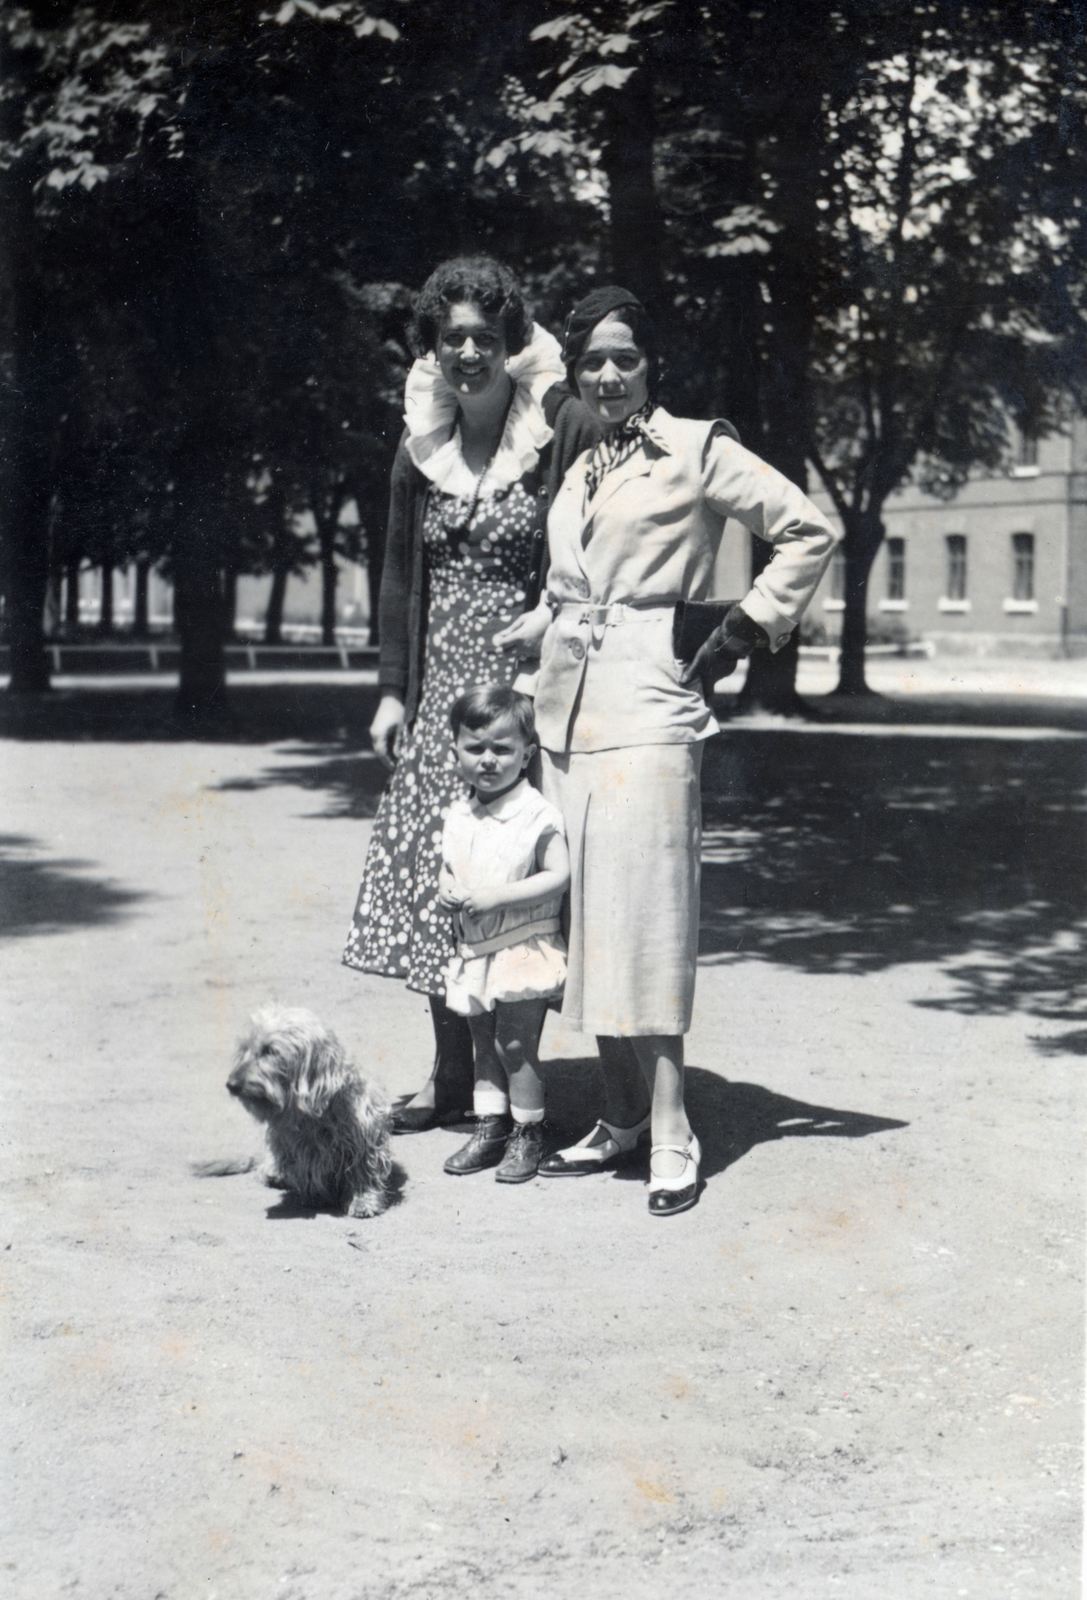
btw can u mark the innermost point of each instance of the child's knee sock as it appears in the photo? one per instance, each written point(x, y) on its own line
point(526, 1116)
point(488, 1101)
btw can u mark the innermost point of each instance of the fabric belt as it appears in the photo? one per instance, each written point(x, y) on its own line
point(617, 614)
point(469, 949)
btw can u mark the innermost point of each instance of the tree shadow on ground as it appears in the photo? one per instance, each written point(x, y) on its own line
point(842, 852)
point(839, 853)
point(336, 715)
point(828, 851)
point(1072, 1043)
point(729, 1118)
point(352, 783)
point(47, 896)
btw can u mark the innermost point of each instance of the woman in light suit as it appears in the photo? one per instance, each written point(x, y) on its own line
point(634, 529)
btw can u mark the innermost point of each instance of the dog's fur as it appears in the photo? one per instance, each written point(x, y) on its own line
point(327, 1129)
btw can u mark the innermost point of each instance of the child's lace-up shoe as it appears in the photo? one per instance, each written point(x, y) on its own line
point(484, 1149)
point(524, 1151)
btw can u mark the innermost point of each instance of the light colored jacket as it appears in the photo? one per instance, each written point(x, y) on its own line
point(648, 538)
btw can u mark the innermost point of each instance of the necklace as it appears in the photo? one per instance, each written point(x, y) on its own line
point(454, 519)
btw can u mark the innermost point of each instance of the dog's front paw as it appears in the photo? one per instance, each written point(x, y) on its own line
point(370, 1203)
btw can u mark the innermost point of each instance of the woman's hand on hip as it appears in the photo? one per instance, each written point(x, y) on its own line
point(736, 638)
point(524, 637)
point(387, 729)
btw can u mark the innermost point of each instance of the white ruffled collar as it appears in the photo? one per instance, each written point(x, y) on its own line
point(430, 412)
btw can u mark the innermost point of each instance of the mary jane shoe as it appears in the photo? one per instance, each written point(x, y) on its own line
point(669, 1196)
point(584, 1157)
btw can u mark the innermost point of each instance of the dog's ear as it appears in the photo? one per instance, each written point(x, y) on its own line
point(320, 1074)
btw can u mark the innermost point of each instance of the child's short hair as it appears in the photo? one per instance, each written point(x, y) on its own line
point(488, 702)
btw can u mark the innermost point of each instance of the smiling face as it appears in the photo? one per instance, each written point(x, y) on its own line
point(613, 373)
point(492, 759)
point(472, 350)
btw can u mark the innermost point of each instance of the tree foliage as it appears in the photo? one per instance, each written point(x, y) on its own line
point(951, 210)
point(858, 223)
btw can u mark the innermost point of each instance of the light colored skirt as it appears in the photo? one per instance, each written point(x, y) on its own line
point(532, 970)
point(634, 826)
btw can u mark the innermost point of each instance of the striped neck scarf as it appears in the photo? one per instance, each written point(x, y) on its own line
point(617, 447)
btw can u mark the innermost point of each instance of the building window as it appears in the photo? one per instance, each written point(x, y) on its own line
point(1022, 566)
point(1028, 451)
point(896, 569)
point(956, 566)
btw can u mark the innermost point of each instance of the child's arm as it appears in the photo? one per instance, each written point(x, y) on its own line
point(552, 879)
point(450, 892)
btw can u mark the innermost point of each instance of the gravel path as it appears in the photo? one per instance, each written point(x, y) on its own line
point(854, 1369)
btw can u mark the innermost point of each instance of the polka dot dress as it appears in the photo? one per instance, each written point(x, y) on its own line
point(477, 586)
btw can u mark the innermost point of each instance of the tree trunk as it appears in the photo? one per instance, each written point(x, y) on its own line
point(198, 593)
point(329, 579)
point(71, 597)
point(863, 537)
point(27, 414)
point(273, 617)
point(770, 685)
point(375, 560)
point(326, 530)
point(105, 606)
point(28, 575)
point(627, 158)
point(230, 603)
point(141, 622)
point(51, 620)
point(794, 155)
point(198, 605)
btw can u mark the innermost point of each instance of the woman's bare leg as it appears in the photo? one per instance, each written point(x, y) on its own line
point(660, 1057)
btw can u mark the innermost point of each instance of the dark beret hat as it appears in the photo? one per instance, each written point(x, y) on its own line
point(587, 313)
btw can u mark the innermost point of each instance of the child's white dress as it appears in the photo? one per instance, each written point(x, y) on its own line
point(517, 953)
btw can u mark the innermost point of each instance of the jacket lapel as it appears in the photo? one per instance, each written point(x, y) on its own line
point(636, 466)
point(564, 523)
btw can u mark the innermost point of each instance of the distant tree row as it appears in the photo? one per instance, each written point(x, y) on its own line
point(859, 224)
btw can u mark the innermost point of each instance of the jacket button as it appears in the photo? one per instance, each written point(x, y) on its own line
point(577, 649)
point(582, 587)
point(542, 491)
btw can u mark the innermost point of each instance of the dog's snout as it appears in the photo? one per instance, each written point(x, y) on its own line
point(232, 1087)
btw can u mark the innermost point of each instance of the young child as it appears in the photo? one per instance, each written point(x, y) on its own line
point(505, 868)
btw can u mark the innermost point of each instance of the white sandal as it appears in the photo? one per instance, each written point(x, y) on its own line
point(667, 1196)
point(585, 1157)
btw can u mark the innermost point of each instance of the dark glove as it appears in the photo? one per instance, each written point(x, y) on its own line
point(736, 638)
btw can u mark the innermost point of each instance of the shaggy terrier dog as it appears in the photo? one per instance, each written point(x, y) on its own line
point(327, 1129)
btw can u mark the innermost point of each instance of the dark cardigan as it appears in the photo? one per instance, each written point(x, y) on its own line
point(402, 608)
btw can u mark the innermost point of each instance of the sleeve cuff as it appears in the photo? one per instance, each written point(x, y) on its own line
point(768, 617)
point(527, 679)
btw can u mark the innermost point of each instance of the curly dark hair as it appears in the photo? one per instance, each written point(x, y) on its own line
point(473, 280)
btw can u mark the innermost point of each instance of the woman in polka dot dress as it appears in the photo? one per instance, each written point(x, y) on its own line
point(490, 433)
